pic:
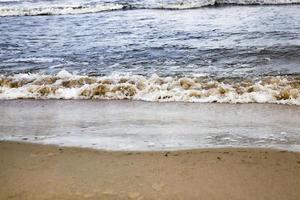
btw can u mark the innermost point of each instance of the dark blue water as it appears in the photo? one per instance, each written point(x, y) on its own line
point(221, 41)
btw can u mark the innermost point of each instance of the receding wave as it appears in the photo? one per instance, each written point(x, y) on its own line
point(82, 8)
point(194, 88)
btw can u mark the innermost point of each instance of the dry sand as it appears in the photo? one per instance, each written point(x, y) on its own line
point(30, 171)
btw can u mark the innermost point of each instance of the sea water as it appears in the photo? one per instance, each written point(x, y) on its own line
point(201, 51)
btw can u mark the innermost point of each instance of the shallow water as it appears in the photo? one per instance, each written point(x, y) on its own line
point(145, 126)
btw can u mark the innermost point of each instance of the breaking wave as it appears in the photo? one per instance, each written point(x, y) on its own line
point(58, 10)
point(269, 89)
point(81, 8)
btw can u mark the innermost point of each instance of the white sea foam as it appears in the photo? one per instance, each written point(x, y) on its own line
point(58, 9)
point(260, 2)
point(64, 85)
point(93, 7)
point(33, 60)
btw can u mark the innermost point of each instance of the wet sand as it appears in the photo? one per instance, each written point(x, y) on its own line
point(32, 171)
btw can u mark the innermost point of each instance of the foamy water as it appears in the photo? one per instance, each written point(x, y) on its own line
point(194, 88)
point(21, 8)
point(58, 9)
point(161, 51)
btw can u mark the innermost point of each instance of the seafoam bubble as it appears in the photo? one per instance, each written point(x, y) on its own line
point(64, 85)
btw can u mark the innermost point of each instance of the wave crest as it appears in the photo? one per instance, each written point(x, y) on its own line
point(270, 89)
point(82, 8)
point(58, 10)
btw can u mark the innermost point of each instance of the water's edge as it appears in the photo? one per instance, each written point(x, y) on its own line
point(146, 126)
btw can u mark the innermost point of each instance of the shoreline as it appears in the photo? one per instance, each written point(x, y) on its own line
point(147, 126)
point(32, 171)
point(57, 146)
point(24, 142)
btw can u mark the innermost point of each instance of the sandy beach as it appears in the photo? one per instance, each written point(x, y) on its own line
point(32, 171)
point(149, 100)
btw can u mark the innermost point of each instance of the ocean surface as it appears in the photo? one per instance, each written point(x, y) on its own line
point(117, 51)
point(228, 51)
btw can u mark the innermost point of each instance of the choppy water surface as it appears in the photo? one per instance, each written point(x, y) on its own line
point(151, 39)
point(224, 41)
